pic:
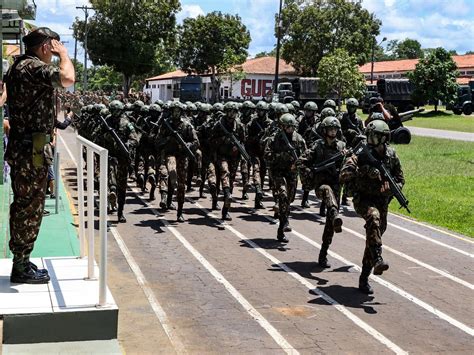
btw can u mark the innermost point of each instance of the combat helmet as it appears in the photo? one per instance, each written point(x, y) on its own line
point(218, 107)
point(144, 109)
point(290, 107)
point(115, 106)
point(248, 105)
point(296, 105)
point(154, 108)
point(288, 120)
point(310, 106)
point(330, 103)
point(281, 109)
point(231, 106)
point(327, 112)
point(330, 122)
point(262, 105)
point(377, 132)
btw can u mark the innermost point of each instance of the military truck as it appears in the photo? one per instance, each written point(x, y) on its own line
point(397, 92)
point(304, 90)
point(463, 103)
point(190, 88)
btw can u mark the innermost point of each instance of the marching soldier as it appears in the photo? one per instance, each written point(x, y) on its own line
point(372, 193)
point(177, 139)
point(325, 180)
point(282, 152)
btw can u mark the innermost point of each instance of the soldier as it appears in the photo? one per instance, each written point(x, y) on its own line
point(30, 84)
point(325, 181)
point(118, 160)
point(247, 112)
point(372, 194)
point(351, 124)
point(227, 153)
point(331, 104)
point(204, 154)
point(175, 155)
point(308, 121)
point(281, 153)
point(255, 131)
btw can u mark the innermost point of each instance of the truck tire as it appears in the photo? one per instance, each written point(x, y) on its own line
point(457, 111)
point(467, 109)
point(401, 135)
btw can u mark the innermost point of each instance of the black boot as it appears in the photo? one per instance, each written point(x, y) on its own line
point(214, 194)
point(113, 199)
point(225, 214)
point(286, 226)
point(169, 201)
point(258, 200)
point(323, 256)
point(152, 192)
point(164, 199)
point(304, 201)
point(227, 197)
point(364, 285)
point(25, 274)
point(245, 195)
point(141, 182)
point(335, 219)
point(344, 201)
point(180, 217)
point(281, 235)
point(201, 191)
point(379, 265)
point(35, 269)
point(120, 217)
point(322, 209)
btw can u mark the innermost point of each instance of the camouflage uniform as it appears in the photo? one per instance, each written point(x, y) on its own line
point(325, 182)
point(226, 153)
point(174, 157)
point(30, 86)
point(282, 165)
point(369, 202)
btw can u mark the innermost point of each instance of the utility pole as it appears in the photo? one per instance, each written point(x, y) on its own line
point(373, 55)
point(85, 9)
point(75, 56)
point(277, 64)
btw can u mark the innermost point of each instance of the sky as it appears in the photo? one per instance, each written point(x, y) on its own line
point(434, 23)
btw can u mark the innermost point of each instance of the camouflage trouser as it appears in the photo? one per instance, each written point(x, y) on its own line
point(131, 165)
point(284, 187)
point(259, 168)
point(26, 211)
point(210, 171)
point(244, 171)
point(177, 168)
point(227, 172)
point(374, 212)
point(118, 179)
point(145, 164)
point(327, 195)
point(195, 168)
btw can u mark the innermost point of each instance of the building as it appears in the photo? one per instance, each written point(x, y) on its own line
point(259, 74)
point(396, 69)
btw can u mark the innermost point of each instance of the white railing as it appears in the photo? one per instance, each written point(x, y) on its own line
point(92, 148)
point(56, 179)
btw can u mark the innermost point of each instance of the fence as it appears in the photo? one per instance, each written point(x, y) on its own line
point(92, 148)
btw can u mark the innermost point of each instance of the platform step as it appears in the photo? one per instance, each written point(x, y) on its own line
point(63, 310)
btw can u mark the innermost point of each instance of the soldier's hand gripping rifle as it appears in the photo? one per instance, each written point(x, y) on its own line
point(115, 136)
point(236, 142)
point(337, 158)
point(180, 140)
point(397, 192)
point(289, 145)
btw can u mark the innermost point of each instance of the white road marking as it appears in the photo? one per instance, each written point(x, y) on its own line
point(431, 240)
point(155, 305)
point(272, 331)
point(359, 322)
point(431, 227)
point(416, 261)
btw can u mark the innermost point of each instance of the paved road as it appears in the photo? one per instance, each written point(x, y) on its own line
point(440, 133)
point(207, 287)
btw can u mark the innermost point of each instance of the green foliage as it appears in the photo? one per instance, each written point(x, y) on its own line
point(104, 78)
point(434, 78)
point(272, 53)
point(126, 35)
point(443, 195)
point(339, 72)
point(312, 31)
point(406, 49)
point(212, 43)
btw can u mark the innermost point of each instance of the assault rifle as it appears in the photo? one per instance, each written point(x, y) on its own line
point(236, 142)
point(367, 157)
point(289, 145)
point(407, 116)
point(180, 139)
point(115, 136)
point(337, 158)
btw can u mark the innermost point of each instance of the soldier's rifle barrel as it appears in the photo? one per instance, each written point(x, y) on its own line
point(236, 142)
point(180, 140)
point(115, 136)
point(287, 142)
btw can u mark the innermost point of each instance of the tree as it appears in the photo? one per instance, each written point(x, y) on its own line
point(126, 35)
point(434, 78)
point(272, 53)
point(213, 44)
point(104, 78)
point(469, 52)
point(313, 28)
point(339, 73)
point(409, 49)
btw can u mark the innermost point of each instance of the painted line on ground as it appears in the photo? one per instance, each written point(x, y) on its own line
point(143, 283)
point(419, 235)
point(254, 314)
point(356, 320)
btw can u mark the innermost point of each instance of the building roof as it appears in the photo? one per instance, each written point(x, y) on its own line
point(12, 50)
point(462, 61)
point(263, 65)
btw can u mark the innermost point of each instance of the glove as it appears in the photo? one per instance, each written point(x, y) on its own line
point(374, 173)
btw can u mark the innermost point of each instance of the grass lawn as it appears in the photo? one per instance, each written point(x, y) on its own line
point(439, 176)
point(443, 120)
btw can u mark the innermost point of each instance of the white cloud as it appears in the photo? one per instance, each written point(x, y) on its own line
point(192, 11)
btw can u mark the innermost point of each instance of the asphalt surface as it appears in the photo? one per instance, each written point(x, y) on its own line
point(440, 133)
point(209, 287)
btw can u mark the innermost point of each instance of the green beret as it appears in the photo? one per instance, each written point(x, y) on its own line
point(38, 36)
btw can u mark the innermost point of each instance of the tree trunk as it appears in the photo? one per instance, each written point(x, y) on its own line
point(126, 84)
point(436, 106)
point(215, 86)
